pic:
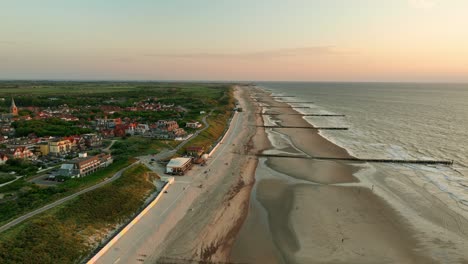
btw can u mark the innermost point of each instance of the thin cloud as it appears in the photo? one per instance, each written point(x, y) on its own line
point(423, 4)
point(269, 54)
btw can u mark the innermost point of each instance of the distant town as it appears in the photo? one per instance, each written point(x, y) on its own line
point(24, 132)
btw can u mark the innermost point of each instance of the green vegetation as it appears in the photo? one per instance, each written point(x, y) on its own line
point(70, 232)
point(25, 196)
point(95, 94)
point(48, 127)
point(139, 146)
point(217, 121)
point(4, 177)
point(19, 166)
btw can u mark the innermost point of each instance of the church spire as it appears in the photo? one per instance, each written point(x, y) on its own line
point(13, 108)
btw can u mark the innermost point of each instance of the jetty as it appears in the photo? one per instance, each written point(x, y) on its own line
point(308, 127)
point(258, 101)
point(303, 114)
point(398, 161)
point(272, 106)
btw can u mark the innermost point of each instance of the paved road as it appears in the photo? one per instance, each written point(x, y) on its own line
point(139, 241)
point(61, 201)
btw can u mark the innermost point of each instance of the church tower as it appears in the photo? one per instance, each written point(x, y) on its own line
point(13, 108)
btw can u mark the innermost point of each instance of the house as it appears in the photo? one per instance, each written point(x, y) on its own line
point(3, 158)
point(141, 129)
point(195, 151)
point(107, 133)
point(164, 129)
point(78, 142)
point(130, 129)
point(7, 129)
point(108, 122)
point(167, 125)
point(84, 165)
point(179, 132)
point(59, 147)
point(92, 140)
point(193, 124)
point(20, 152)
point(119, 130)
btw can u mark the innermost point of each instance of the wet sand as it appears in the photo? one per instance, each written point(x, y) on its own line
point(306, 211)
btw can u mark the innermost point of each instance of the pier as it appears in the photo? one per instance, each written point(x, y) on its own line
point(314, 128)
point(270, 106)
point(303, 114)
point(398, 161)
point(287, 102)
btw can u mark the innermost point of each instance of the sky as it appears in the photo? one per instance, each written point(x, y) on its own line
point(251, 40)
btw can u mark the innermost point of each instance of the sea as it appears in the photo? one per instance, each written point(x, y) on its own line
point(396, 121)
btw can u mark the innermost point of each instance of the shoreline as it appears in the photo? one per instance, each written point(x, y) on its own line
point(324, 242)
point(271, 210)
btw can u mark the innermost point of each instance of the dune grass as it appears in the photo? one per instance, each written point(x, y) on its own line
point(70, 232)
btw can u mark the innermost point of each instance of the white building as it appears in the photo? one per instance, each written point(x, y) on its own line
point(179, 166)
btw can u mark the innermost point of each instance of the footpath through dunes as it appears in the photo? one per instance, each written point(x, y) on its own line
point(313, 211)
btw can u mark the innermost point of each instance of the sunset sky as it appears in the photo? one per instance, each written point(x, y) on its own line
point(294, 40)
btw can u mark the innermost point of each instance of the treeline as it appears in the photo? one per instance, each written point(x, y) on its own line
point(48, 127)
point(19, 166)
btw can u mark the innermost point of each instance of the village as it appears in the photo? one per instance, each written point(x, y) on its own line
point(84, 148)
point(70, 154)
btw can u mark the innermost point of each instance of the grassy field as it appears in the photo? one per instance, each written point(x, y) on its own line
point(91, 87)
point(70, 232)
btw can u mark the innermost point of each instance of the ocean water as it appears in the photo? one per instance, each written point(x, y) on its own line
point(392, 120)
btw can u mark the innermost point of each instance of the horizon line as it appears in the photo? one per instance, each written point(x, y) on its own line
point(227, 81)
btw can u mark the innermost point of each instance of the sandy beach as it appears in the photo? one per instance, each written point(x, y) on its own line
point(247, 209)
point(306, 211)
point(207, 230)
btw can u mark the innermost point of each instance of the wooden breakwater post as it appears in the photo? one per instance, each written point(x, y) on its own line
point(397, 161)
